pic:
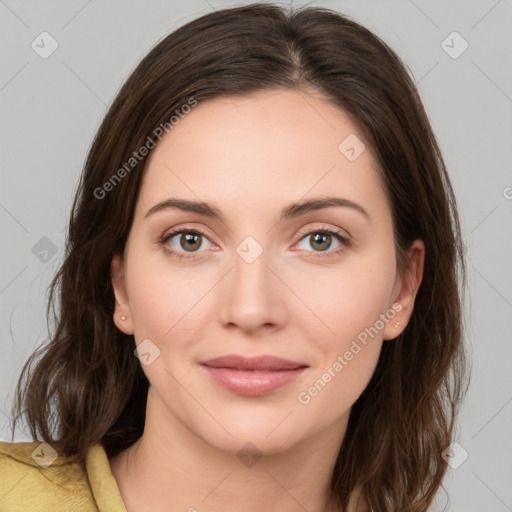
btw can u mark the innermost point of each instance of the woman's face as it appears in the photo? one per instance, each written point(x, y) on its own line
point(253, 275)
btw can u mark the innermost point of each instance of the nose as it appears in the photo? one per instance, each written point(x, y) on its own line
point(251, 297)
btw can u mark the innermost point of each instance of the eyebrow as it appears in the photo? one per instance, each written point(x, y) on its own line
point(291, 211)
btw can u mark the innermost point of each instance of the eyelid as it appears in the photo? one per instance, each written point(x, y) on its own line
point(323, 227)
point(344, 239)
point(186, 228)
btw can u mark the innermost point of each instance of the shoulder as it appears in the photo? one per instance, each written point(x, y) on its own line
point(34, 478)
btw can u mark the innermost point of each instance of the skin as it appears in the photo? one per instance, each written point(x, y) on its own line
point(251, 157)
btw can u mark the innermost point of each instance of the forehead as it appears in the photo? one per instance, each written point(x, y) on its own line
point(269, 147)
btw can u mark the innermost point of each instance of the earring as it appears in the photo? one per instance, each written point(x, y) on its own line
point(397, 324)
point(123, 317)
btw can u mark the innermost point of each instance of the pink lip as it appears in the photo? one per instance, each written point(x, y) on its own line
point(253, 376)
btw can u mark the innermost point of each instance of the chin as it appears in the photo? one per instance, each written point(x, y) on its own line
point(255, 442)
point(267, 431)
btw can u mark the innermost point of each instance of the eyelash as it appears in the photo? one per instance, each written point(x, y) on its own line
point(344, 241)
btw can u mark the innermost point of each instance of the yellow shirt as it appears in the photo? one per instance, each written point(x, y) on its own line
point(27, 486)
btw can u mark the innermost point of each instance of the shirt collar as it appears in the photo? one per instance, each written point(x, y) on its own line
point(103, 484)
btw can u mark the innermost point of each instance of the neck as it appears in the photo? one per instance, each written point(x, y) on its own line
point(171, 468)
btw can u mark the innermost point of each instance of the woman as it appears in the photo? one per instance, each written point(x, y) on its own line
point(260, 302)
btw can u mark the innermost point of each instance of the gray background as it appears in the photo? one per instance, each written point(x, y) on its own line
point(51, 108)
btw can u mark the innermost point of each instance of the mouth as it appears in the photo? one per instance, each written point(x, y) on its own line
point(252, 376)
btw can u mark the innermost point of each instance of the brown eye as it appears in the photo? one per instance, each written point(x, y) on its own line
point(184, 242)
point(321, 240)
point(190, 241)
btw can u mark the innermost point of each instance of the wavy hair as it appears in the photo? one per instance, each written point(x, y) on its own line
point(85, 386)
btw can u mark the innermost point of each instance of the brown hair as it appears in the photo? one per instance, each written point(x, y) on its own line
point(86, 386)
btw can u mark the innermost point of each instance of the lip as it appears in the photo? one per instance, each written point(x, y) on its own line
point(253, 376)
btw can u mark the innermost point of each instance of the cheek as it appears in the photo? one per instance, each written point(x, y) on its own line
point(348, 349)
point(164, 300)
point(346, 301)
point(349, 303)
point(333, 391)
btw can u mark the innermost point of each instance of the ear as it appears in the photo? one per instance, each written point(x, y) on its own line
point(122, 307)
point(405, 290)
